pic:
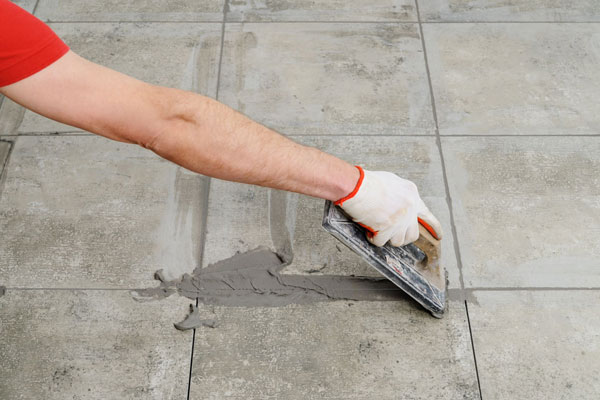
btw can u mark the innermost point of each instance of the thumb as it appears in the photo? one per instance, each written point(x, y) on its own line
point(426, 215)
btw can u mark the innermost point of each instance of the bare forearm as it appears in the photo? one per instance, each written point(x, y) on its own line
point(208, 137)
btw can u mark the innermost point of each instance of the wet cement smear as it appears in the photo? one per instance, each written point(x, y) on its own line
point(193, 320)
point(254, 279)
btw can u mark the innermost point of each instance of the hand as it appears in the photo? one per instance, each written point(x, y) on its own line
point(389, 208)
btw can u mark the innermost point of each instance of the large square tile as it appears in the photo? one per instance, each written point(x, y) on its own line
point(537, 345)
point(64, 344)
point(515, 79)
point(240, 217)
point(509, 10)
point(180, 55)
point(136, 10)
point(332, 79)
point(335, 350)
point(527, 209)
point(322, 10)
point(86, 212)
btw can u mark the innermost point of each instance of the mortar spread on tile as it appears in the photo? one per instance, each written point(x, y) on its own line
point(254, 279)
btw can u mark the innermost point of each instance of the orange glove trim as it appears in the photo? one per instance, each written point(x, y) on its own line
point(429, 228)
point(353, 193)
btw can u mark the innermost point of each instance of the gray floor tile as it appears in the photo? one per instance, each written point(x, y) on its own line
point(28, 5)
point(138, 10)
point(334, 79)
point(537, 345)
point(239, 217)
point(510, 10)
point(515, 78)
point(322, 10)
point(86, 212)
point(92, 345)
point(184, 55)
point(527, 209)
point(4, 150)
point(336, 350)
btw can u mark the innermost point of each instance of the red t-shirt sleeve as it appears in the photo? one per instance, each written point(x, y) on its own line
point(27, 45)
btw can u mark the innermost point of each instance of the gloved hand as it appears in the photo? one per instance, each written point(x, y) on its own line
point(390, 208)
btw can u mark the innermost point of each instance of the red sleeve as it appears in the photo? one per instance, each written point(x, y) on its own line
point(27, 45)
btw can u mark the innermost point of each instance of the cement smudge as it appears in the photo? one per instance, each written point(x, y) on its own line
point(193, 321)
point(2, 290)
point(254, 279)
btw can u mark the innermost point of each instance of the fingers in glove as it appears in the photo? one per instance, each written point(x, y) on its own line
point(380, 239)
point(431, 220)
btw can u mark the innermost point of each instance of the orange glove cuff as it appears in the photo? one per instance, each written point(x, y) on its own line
point(352, 193)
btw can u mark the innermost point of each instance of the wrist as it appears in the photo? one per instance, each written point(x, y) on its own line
point(352, 185)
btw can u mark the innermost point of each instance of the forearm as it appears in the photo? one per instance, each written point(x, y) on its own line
point(208, 137)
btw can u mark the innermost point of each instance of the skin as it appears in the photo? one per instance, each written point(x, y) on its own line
point(188, 129)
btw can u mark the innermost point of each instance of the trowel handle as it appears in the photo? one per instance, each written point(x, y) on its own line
point(428, 228)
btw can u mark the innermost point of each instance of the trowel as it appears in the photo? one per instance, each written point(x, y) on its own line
point(414, 268)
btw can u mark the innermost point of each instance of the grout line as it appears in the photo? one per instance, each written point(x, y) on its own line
point(521, 135)
point(75, 288)
point(35, 7)
point(309, 22)
point(189, 389)
point(4, 166)
point(510, 22)
point(473, 349)
point(132, 22)
point(465, 290)
point(590, 135)
point(530, 289)
point(442, 161)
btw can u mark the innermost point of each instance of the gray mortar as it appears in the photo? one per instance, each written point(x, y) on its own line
point(254, 279)
point(193, 321)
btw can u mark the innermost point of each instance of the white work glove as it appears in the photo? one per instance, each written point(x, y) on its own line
point(389, 208)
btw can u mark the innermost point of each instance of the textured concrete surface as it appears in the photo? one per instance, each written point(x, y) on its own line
point(342, 350)
point(527, 209)
point(510, 10)
point(59, 344)
point(537, 345)
point(516, 106)
point(188, 54)
point(136, 10)
point(296, 78)
point(85, 212)
point(515, 78)
point(322, 10)
point(28, 5)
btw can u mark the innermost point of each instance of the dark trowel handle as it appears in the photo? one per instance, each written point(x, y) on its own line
point(428, 242)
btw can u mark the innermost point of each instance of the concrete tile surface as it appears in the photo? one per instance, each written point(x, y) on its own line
point(61, 344)
point(28, 5)
point(184, 56)
point(5, 146)
point(510, 10)
point(137, 10)
point(239, 215)
point(515, 79)
point(85, 212)
point(322, 10)
point(332, 79)
point(527, 209)
point(537, 345)
point(341, 350)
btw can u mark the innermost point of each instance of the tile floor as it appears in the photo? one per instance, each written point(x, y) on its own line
point(488, 105)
